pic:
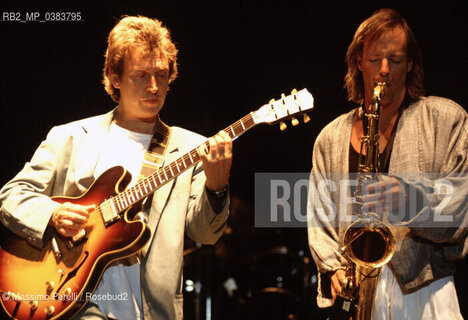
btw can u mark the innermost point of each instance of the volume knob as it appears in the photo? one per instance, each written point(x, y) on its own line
point(50, 285)
point(49, 310)
point(33, 304)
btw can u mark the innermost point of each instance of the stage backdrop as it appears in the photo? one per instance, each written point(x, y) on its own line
point(234, 56)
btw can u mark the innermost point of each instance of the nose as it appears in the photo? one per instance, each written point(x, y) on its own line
point(153, 85)
point(384, 67)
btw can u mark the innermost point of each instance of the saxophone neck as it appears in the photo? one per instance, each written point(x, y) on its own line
point(379, 92)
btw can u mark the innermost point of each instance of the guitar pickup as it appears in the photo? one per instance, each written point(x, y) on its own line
point(109, 213)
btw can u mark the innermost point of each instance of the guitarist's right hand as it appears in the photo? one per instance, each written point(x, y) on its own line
point(70, 218)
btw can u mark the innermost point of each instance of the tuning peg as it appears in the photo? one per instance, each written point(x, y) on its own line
point(283, 126)
point(293, 91)
point(306, 118)
point(294, 121)
point(271, 101)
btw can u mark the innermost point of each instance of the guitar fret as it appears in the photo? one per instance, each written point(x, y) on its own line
point(233, 132)
point(177, 166)
point(170, 168)
point(141, 191)
point(129, 197)
point(165, 175)
point(144, 186)
point(159, 178)
point(124, 199)
point(191, 159)
point(154, 180)
point(242, 124)
point(183, 160)
point(117, 203)
point(119, 200)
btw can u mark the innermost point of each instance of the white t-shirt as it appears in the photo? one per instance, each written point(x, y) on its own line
point(118, 294)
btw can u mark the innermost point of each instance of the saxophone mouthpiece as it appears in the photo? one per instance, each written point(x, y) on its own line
point(379, 90)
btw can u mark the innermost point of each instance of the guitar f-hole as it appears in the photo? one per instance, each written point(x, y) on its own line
point(73, 273)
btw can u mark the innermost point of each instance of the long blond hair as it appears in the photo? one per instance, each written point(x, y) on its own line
point(373, 27)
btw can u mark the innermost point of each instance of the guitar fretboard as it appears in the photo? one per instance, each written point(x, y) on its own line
point(148, 185)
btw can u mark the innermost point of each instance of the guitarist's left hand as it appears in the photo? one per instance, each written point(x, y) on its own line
point(217, 161)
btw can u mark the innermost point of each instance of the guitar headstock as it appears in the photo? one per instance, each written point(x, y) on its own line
point(297, 103)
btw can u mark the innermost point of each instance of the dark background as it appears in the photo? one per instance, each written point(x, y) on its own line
point(234, 57)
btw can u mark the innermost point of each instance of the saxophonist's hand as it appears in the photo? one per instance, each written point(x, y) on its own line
point(337, 279)
point(386, 195)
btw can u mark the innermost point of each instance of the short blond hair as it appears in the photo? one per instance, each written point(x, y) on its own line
point(136, 32)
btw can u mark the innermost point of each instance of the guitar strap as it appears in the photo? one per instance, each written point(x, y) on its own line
point(153, 160)
point(154, 156)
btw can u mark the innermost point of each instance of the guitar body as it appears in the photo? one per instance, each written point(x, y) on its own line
point(57, 288)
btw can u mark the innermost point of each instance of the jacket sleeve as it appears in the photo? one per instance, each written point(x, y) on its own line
point(322, 223)
point(203, 224)
point(440, 215)
point(25, 205)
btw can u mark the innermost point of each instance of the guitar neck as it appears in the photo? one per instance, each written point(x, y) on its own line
point(150, 184)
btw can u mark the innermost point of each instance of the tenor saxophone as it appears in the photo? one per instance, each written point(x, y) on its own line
point(368, 243)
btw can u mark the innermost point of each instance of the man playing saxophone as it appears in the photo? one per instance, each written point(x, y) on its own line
point(416, 135)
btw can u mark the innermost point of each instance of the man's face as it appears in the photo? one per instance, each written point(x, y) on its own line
point(143, 84)
point(384, 60)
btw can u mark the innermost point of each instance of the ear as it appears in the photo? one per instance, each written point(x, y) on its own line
point(359, 58)
point(114, 79)
point(409, 66)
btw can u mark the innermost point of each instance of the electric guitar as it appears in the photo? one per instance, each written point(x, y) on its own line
point(57, 281)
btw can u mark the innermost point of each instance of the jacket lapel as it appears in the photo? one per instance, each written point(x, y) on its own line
point(162, 195)
point(89, 147)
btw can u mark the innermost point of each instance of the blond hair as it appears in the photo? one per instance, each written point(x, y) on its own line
point(140, 32)
point(372, 28)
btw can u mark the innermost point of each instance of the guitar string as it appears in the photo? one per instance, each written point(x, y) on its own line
point(172, 167)
point(243, 124)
